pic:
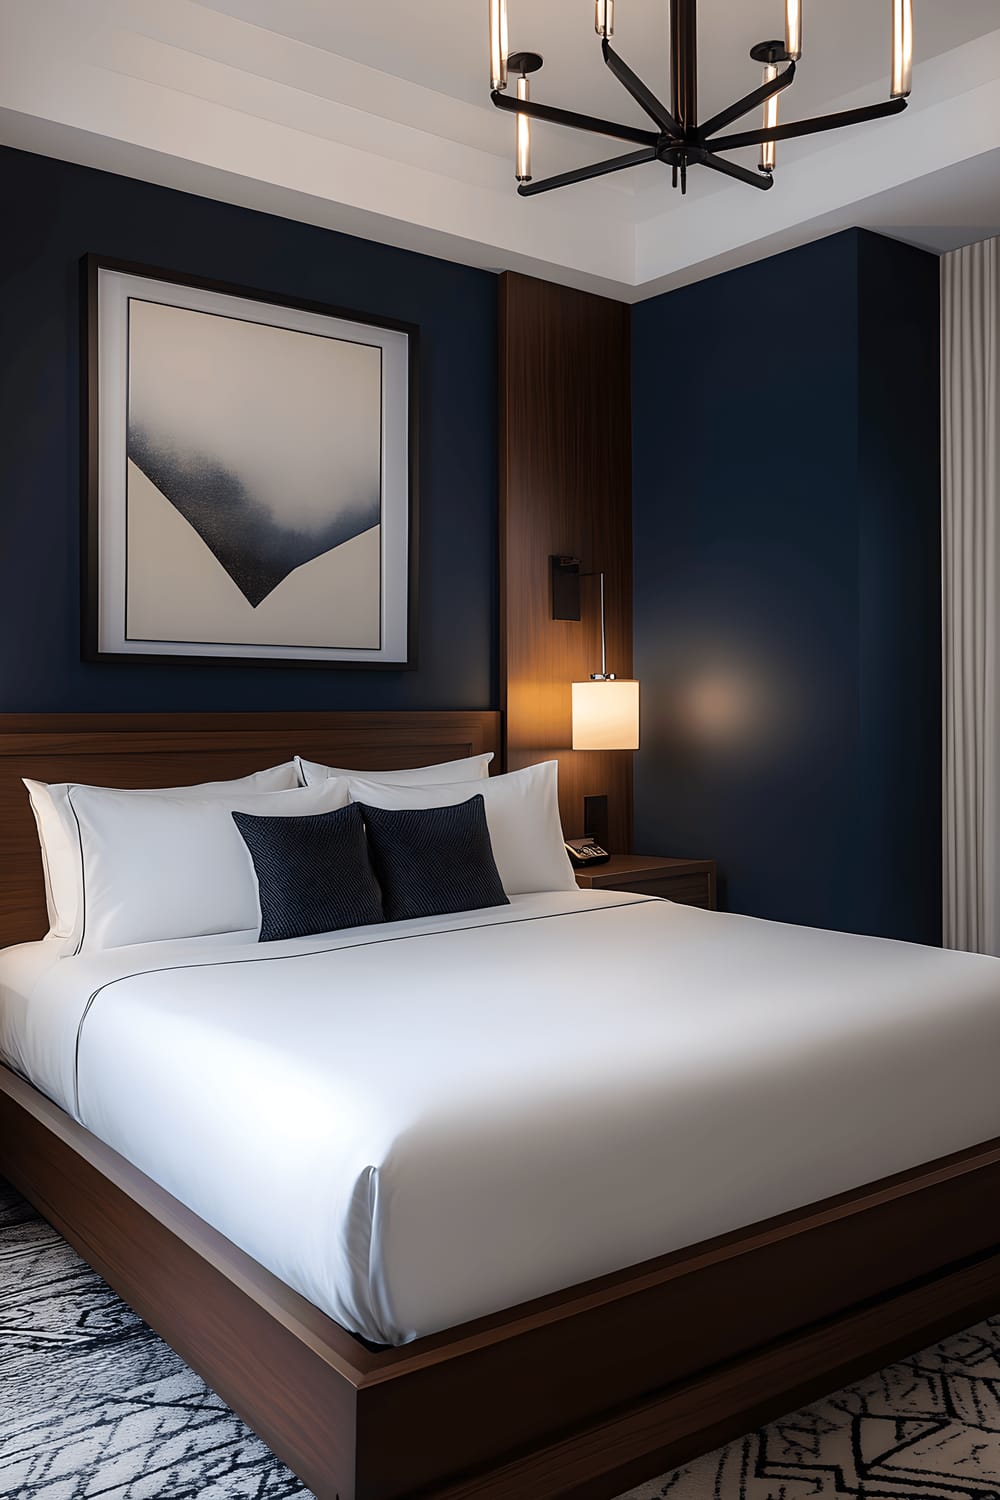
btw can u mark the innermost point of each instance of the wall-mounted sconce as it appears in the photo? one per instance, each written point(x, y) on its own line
point(605, 708)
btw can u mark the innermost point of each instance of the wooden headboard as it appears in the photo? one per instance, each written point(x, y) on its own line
point(149, 750)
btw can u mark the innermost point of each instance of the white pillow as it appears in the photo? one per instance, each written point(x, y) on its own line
point(60, 841)
point(173, 867)
point(474, 768)
point(522, 814)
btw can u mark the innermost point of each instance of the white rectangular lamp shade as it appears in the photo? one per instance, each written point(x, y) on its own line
point(606, 715)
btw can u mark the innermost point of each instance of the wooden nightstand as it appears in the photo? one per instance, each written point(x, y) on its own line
point(689, 881)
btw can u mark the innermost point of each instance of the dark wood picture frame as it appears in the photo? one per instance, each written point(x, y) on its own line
point(90, 266)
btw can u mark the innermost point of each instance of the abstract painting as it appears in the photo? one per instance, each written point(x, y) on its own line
point(250, 476)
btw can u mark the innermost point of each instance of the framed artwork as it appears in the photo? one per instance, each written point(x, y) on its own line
point(250, 475)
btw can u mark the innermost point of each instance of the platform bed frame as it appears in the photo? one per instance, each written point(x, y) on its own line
point(580, 1394)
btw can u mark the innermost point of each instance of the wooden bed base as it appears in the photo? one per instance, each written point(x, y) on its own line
point(581, 1394)
point(575, 1396)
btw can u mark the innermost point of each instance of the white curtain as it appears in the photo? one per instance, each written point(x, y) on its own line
point(970, 457)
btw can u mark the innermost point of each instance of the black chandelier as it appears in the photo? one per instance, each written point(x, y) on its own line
point(678, 140)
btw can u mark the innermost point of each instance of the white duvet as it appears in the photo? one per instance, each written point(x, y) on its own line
point(418, 1124)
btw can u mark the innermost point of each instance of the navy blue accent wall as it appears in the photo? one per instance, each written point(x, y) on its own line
point(787, 593)
point(54, 213)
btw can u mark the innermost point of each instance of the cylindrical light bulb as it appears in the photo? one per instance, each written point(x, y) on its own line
point(902, 48)
point(793, 29)
point(523, 168)
point(604, 17)
point(498, 44)
point(768, 149)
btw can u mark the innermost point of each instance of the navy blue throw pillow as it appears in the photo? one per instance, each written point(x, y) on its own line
point(432, 860)
point(313, 873)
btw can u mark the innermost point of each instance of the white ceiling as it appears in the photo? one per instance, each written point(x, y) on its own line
point(374, 117)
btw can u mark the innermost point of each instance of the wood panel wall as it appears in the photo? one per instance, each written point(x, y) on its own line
point(565, 488)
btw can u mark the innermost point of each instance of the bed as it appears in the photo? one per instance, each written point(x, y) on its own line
point(526, 1267)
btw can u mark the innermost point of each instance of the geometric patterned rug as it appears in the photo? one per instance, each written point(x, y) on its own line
point(94, 1406)
point(928, 1427)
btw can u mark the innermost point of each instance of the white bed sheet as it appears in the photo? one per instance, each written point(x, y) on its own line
point(418, 1125)
point(21, 969)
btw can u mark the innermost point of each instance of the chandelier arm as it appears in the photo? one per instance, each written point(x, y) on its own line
point(808, 127)
point(582, 174)
point(762, 180)
point(745, 105)
point(569, 117)
point(644, 97)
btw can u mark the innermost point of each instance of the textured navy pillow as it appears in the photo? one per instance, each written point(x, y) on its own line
point(432, 860)
point(313, 873)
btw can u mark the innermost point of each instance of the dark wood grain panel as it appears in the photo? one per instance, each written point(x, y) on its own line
point(696, 1416)
point(688, 890)
point(149, 750)
point(689, 881)
point(565, 488)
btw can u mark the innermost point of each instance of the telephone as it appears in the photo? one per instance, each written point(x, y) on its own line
point(586, 852)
